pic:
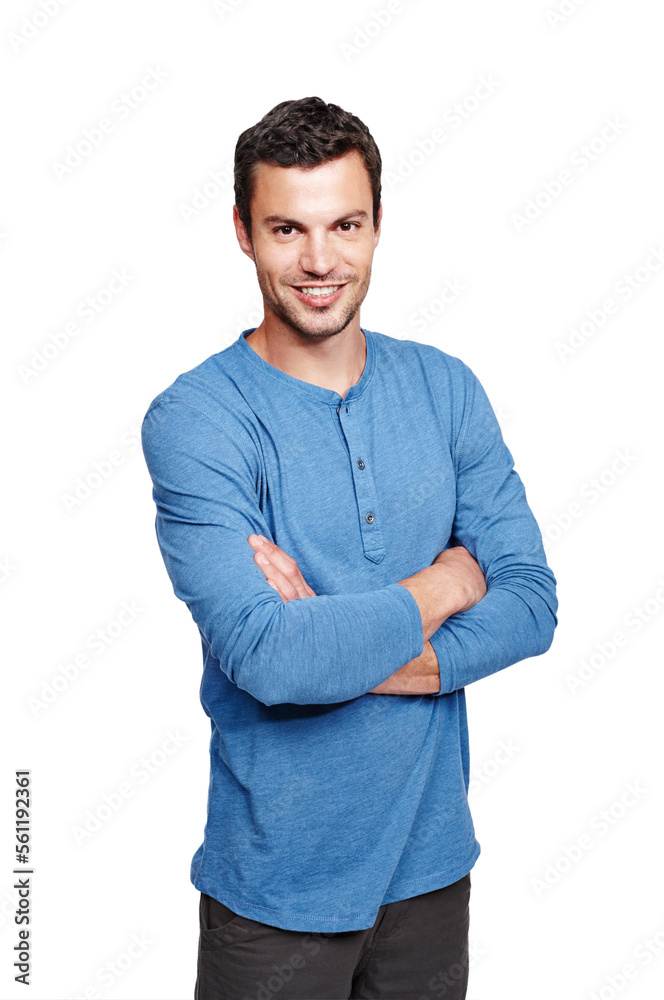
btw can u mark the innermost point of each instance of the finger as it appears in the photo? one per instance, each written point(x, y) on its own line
point(283, 564)
point(273, 584)
point(270, 573)
point(287, 590)
point(283, 584)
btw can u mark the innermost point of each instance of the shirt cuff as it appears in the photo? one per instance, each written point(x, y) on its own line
point(445, 667)
point(414, 636)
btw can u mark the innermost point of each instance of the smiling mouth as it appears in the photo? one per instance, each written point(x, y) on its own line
point(318, 295)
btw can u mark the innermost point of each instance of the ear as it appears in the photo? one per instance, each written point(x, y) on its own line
point(242, 236)
point(378, 225)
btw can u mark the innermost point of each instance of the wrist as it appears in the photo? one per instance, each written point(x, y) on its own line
point(453, 593)
point(429, 658)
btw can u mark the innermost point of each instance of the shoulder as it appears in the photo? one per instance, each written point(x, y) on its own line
point(204, 401)
point(443, 371)
point(209, 385)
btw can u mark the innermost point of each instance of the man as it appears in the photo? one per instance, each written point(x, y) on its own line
point(341, 515)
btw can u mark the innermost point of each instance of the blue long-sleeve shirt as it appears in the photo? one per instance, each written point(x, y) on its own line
point(326, 801)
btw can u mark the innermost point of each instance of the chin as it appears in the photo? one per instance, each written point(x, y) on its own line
point(329, 329)
point(316, 326)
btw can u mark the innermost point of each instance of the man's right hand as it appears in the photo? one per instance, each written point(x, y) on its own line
point(465, 571)
point(453, 583)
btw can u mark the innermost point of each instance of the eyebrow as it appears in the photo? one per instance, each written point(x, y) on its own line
point(357, 214)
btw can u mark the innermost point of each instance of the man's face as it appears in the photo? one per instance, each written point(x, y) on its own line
point(313, 241)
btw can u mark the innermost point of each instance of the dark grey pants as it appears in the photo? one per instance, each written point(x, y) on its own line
point(416, 950)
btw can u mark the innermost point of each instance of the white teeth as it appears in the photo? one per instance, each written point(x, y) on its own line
point(320, 291)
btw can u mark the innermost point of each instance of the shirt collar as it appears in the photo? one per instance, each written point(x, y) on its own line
point(329, 396)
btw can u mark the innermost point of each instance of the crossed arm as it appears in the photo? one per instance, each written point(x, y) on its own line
point(484, 603)
point(456, 584)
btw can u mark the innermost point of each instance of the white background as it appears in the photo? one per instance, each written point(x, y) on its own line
point(67, 568)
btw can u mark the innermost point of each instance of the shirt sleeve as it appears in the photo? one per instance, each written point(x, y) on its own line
point(517, 617)
point(314, 650)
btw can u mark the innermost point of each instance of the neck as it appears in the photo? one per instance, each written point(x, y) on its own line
point(333, 362)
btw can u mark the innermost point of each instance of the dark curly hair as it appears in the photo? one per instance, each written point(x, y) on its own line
point(302, 133)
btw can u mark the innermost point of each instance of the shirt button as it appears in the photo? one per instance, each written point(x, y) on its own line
point(370, 518)
point(346, 409)
point(360, 463)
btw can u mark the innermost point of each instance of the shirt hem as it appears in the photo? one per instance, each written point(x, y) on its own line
point(438, 880)
point(286, 920)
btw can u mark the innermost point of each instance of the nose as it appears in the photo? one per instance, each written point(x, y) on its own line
point(318, 254)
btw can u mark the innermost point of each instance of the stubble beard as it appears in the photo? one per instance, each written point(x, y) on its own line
point(312, 321)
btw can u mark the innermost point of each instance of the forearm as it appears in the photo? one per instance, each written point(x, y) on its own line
point(516, 618)
point(418, 676)
point(510, 624)
point(453, 583)
point(318, 650)
point(438, 591)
